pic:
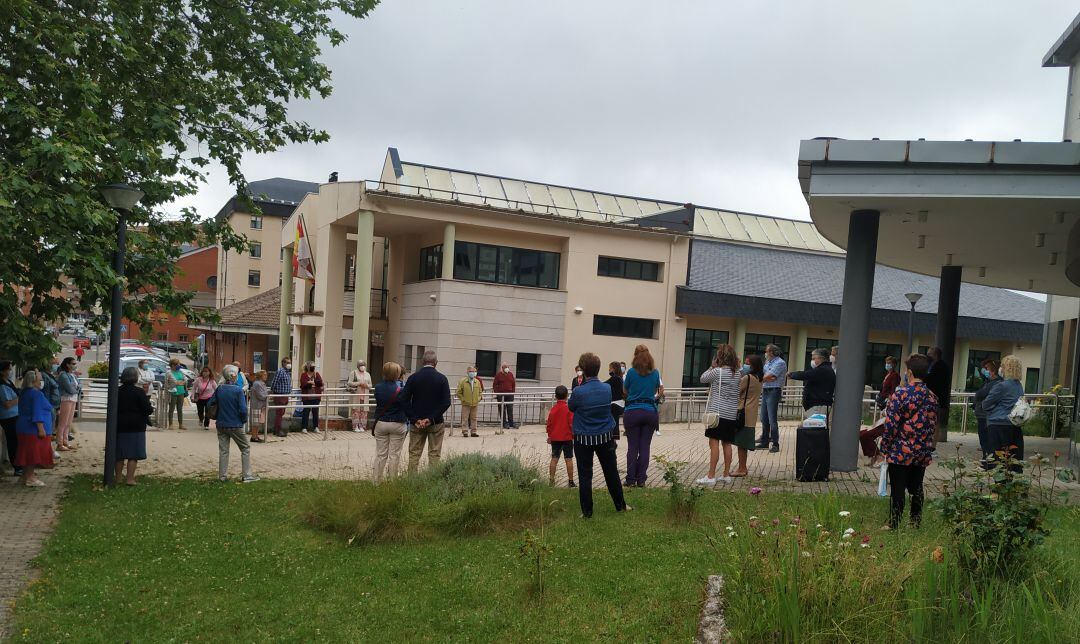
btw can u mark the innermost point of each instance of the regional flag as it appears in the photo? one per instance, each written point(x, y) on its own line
point(302, 263)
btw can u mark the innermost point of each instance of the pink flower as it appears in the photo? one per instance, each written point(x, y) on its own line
point(755, 490)
point(795, 520)
point(866, 538)
point(776, 521)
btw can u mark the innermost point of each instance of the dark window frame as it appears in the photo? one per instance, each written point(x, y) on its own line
point(508, 265)
point(760, 340)
point(487, 363)
point(252, 273)
point(624, 327)
point(525, 373)
point(430, 263)
point(698, 349)
point(255, 250)
point(630, 269)
point(255, 222)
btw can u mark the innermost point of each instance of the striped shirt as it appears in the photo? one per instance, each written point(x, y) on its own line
point(723, 392)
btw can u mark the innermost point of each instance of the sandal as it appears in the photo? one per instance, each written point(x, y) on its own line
point(738, 474)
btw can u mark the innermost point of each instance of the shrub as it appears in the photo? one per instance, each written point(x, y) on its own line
point(682, 502)
point(473, 494)
point(98, 370)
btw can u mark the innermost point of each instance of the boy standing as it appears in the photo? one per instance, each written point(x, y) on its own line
point(469, 392)
point(560, 435)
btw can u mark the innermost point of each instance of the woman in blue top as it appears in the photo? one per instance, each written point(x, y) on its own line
point(34, 427)
point(391, 423)
point(1004, 438)
point(641, 419)
point(592, 426)
point(9, 413)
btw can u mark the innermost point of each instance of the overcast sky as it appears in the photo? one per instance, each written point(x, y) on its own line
point(702, 102)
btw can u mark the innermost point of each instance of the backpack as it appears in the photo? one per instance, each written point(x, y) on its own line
point(1021, 412)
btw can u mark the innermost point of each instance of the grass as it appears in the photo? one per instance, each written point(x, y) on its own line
point(187, 560)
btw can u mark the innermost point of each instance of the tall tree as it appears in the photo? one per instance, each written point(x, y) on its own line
point(148, 92)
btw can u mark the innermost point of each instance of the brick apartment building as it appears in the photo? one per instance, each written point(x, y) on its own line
point(196, 271)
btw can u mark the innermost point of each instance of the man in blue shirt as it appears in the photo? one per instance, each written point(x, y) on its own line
point(231, 418)
point(593, 426)
point(771, 387)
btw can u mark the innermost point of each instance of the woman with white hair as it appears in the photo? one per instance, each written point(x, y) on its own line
point(231, 417)
point(132, 411)
point(35, 427)
point(359, 383)
point(1003, 438)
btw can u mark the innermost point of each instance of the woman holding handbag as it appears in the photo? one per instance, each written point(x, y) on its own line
point(749, 399)
point(202, 390)
point(721, 411)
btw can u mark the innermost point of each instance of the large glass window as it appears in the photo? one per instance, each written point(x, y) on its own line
point(528, 365)
point(876, 352)
point(973, 379)
point(811, 344)
point(1031, 381)
point(697, 357)
point(431, 262)
point(755, 343)
point(624, 327)
point(628, 268)
point(487, 362)
point(505, 265)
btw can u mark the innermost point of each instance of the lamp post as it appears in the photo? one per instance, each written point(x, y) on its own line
point(914, 299)
point(121, 198)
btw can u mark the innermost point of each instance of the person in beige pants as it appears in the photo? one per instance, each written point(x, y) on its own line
point(391, 424)
point(469, 391)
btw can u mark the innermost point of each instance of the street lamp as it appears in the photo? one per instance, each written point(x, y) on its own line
point(914, 299)
point(122, 198)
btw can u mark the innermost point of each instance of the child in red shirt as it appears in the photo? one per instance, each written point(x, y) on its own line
point(559, 421)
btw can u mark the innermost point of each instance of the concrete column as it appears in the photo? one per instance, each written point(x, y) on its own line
point(947, 313)
point(361, 313)
point(449, 234)
point(963, 352)
point(309, 344)
point(394, 281)
point(284, 328)
point(739, 338)
point(914, 348)
point(332, 249)
point(798, 350)
point(854, 334)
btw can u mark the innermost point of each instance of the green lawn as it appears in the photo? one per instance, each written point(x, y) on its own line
point(188, 560)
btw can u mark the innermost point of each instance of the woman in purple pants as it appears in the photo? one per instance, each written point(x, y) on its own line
point(641, 420)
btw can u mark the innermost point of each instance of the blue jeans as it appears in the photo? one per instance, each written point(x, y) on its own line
point(770, 425)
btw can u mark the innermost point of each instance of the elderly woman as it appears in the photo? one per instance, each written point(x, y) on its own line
point(259, 395)
point(9, 413)
point(391, 424)
point(724, 394)
point(70, 389)
point(176, 386)
point(35, 428)
point(311, 389)
point(359, 384)
point(132, 410)
point(641, 418)
point(989, 372)
point(753, 371)
point(231, 417)
point(908, 440)
point(202, 390)
point(1004, 440)
point(146, 376)
point(592, 426)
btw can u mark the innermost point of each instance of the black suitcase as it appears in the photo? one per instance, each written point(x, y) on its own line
point(811, 454)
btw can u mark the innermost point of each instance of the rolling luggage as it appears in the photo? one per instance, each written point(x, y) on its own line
point(811, 454)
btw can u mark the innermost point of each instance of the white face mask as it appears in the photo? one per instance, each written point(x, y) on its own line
point(506, 369)
point(472, 374)
point(832, 358)
point(362, 368)
point(579, 374)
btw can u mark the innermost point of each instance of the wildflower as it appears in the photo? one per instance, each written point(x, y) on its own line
point(849, 531)
point(792, 525)
point(762, 533)
point(846, 535)
point(776, 521)
point(755, 490)
point(732, 534)
point(866, 538)
point(1057, 454)
point(845, 513)
point(846, 544)
point(938, 555)
point(806, 554)
point(729, 528)
point(819, 526)
point(796, 520)
point(864, 545)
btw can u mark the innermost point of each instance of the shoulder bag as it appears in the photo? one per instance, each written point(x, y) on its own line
point(711, 419)
point(740, 416)
point(1021, 412)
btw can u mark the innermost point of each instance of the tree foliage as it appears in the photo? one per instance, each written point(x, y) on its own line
point(149, 92)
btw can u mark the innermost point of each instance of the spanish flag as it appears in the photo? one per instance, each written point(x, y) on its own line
point(302, 263)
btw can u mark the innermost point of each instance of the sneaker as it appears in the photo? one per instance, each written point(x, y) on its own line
point(724, 479)
point(303, 431)
point(357, 430)
point(55, 454)
point(571, 484)
point(656, 433)
point(774, 449)
point(316, 431)
point(35, 483)
point(705, 481)
point(250, 479)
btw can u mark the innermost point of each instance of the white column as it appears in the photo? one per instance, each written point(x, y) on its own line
point(361, 314)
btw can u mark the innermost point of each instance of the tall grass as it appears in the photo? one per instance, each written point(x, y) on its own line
point(468, 495)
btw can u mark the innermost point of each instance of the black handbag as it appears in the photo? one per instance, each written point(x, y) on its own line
point(740, 416)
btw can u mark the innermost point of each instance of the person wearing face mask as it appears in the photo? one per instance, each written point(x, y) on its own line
point(753, 371)
point(908, 439)
point(9, 413)
point(35, 430)
point(281, 387)
point(819, 382)
point(51, 388)
point(642, 418)
point(579, 378)
point(70, 389)
point(832, 357)
point(469, 392)
point(868, 437)
point(989, 372)
point(359, 384)
point(771, 388)
point(311, 388)
point(504, 385)
point(722, 406)
point(618, 395)
point(890, 383)
point(146, 377)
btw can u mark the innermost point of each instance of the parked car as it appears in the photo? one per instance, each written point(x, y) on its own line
point(157, 365)
point(171, 347)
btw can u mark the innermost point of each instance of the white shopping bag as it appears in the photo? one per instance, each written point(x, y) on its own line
point(883, 481)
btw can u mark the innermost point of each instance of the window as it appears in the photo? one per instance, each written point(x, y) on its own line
point(973, 379)
point(528, 365)
point(163, 337)
point(1031, 381)
point(505, 265)
point(256, 222)
point(346, 349)
point(755, 343)
point(256, 250)
point(183, 337)
point(431, 262)
point(350, 272)
point(631, 269)
point(624, 327)
point(408, 357)
point(211, 282)
point(811, 344)
point(281, 254)
point(254, 278)
point(876, 353)
point(487, 362)
point(420, 349)
point(697, 358)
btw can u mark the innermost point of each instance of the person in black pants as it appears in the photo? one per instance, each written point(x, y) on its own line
point(908, 440)
point(592, 427)
point(618, 395)
point(9, 413)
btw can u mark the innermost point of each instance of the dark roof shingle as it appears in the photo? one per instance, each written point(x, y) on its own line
point(261, 311)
